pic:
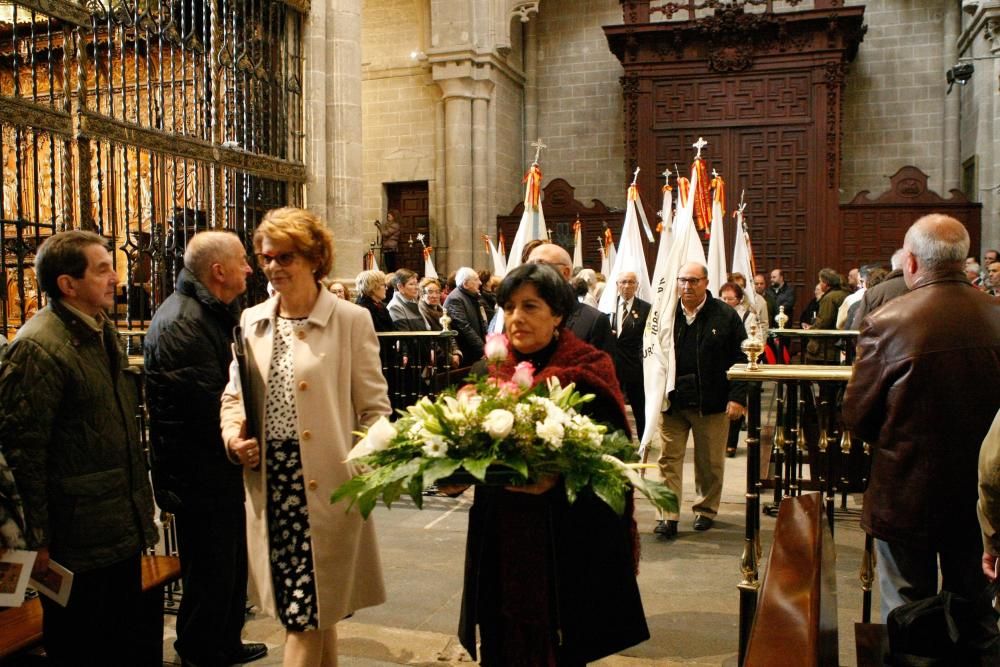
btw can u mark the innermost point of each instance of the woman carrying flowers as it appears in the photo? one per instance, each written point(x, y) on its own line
point(547, 581)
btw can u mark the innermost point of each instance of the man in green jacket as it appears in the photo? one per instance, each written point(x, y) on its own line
point(68, 429)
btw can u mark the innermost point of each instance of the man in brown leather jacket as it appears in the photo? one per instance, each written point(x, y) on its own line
point(908, 397)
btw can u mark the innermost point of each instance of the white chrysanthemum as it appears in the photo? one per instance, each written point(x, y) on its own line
point(435, 447)
point(550, 431)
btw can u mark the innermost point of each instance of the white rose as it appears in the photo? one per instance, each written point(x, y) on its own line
point(498, 423)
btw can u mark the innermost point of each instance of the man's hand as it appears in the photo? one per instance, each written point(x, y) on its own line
point(990, 566)
point(734, 410)
point(41, 563)
point(246, 452)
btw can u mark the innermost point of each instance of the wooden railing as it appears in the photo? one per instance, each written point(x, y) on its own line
point(825, 444)
point(799, 592)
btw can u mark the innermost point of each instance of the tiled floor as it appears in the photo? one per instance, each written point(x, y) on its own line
point(688, 587)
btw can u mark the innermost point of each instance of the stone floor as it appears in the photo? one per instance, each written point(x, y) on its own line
point(688, 587)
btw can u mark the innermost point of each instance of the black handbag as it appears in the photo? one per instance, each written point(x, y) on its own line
point(945, 629)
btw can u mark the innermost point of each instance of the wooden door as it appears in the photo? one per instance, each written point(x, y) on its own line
point(409, 200)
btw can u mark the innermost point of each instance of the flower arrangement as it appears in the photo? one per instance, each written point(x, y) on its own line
point(497, 430)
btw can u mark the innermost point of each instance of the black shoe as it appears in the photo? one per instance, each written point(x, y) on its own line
point(730, 452)
point(666, 529)
point(248, 653)
point(702, 522)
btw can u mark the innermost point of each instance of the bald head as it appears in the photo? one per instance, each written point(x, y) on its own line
point(553, 255)
point(218, 260)
point(935, 242)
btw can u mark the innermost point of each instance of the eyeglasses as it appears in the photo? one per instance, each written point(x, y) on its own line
point(284, 259)
point(628, 282)
point(689, 281)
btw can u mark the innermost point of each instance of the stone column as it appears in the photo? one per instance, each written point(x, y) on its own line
point(951, 158)
point(333, 126)
point(480, 164)
point(531, 131)
point(458, 93)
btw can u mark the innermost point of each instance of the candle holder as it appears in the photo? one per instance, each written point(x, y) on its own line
point(753, 346)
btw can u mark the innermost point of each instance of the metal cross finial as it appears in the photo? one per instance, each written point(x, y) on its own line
point(635, 176)
point(538, 149)
point(698, 145)
point(715, 174)
point(743, 203)
point(420, 237)
point(667, 173)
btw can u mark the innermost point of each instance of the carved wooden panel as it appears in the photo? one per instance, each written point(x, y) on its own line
point(873, 228)
point(764, 89)
point(780, 97)
point(561, 210)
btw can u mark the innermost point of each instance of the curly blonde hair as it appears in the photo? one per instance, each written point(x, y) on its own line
point(304, 230)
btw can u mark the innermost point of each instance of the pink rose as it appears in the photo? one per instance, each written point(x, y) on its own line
point(496, 347)
point(524, 375)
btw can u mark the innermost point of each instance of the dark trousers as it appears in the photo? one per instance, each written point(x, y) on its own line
point(102, 623)
point(636, 394)
point(213, 550)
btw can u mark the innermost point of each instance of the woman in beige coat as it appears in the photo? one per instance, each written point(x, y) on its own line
point(315, 377)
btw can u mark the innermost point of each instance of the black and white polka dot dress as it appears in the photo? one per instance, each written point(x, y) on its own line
point(287, 514)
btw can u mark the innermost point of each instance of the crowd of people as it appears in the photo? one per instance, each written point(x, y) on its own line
point(252, 416)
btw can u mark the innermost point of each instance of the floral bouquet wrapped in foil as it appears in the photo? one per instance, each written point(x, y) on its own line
point(495, 431)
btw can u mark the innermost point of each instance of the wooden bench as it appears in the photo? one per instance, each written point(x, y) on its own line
point(21, 627)
point(796, 619)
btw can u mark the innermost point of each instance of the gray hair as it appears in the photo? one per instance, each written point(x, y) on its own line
point(937, 240)
point(464, 274)
point(367, 281)
point(206, 248)
point(897, 260)
point(589, 275)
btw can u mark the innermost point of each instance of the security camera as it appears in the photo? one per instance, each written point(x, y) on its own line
point(960, 73)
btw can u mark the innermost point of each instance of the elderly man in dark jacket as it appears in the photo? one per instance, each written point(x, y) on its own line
point(909, 398)
point(707, 336)
point(68, 405)
point(187, 353)
point(468, 317)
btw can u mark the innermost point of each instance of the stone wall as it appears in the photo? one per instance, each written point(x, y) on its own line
point(980, 113)
point(580, 114)
point(895, 102)
point(399, 104)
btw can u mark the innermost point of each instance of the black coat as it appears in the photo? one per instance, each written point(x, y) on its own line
point(719, 332)
point(544, 562)
point(381, 319)
point(628, 344)
point(187, 354)
point(468, 320)
point(592, 326)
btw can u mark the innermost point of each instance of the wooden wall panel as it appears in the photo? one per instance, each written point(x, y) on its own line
point(765, 91)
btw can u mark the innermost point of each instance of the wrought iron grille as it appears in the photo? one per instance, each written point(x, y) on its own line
point(145, 121)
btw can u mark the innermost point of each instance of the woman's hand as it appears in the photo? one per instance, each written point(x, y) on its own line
point(247, 452)
point(452, 490)
point(544, 483)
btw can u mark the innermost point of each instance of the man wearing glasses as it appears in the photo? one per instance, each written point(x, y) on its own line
point(628, 323)
point(707, 335)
